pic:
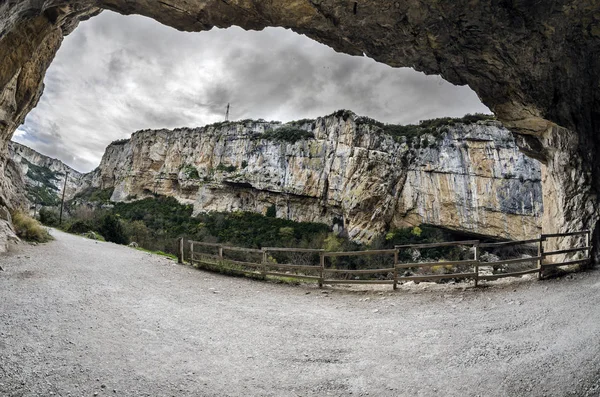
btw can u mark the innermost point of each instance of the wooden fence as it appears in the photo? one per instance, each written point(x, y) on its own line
point(321, 266)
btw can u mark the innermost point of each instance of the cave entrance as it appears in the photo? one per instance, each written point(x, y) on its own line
point(118, 74)
point(543, 103)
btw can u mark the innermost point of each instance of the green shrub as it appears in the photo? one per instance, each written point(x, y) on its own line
point(436, 127)
point(138, 232)
point(29, 229)
point(191, 172)
point(112, 230)
point(226, 168)
point(301, 122)
point(93, 194)
point(49, 217)
point(81, 226)
point(287, 134)
point(271, 212)
point(155, 222)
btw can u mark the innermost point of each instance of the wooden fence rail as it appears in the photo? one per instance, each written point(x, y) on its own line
point(466, 269)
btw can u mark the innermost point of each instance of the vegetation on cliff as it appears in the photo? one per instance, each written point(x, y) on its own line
point(289, 134)
point(43, 191)
point(399, 132)
point(94, 195)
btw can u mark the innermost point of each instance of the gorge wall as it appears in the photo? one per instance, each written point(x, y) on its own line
point(534, 64)
point(43, 177)
point(342, 170)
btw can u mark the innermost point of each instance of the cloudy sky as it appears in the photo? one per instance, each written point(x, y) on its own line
point(118, 74)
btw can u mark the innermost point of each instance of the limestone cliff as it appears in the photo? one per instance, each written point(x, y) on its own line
point(43, 176)
point(342, 169)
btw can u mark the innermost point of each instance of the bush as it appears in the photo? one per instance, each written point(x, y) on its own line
point(93, 194)
point(112, 230)
point(138, 232)
point(191, 172)
point(29, 229)
point(81, 226)
point(49, 217)
point(226, 168)
point(287, 134)
point(271, 212)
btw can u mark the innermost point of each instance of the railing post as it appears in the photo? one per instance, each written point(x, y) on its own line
point(540, 255)
point(265, 258)
point(322, 268)
point(220, 253)
point(476, 248)
point(396, 269)
point(192, 257)
point(180, 250)
point(588, 239)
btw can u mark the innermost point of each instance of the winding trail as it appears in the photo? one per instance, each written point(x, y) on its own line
point(79, 317)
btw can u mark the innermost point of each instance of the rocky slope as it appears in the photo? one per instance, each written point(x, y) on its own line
point(43, 176)
point(342, 169)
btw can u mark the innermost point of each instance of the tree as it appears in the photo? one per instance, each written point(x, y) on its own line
point(112, 230)
point(271, 212)
point(48, 217)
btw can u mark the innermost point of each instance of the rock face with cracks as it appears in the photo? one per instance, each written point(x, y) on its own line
point(340, 170)
point(535, 64)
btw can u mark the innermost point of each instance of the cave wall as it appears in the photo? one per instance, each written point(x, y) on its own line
point(535, 64)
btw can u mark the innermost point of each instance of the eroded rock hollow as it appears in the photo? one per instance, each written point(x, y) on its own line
point(535, 64)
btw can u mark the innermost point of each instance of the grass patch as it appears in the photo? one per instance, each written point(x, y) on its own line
point(161, 253)
point(29, 229)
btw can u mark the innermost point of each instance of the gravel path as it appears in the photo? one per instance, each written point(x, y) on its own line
point(79, 317)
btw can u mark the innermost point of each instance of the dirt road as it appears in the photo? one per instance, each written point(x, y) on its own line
point(78, 317)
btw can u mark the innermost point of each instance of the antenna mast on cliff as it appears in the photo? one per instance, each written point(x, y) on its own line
point(227, 113)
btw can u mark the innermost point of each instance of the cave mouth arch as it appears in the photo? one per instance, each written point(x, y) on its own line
point(534, 65)
point(117, 74)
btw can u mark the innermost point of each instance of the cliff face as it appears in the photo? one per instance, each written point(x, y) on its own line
point(43, 177)
point(342, 170)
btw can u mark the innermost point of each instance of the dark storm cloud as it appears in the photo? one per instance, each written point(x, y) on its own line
point(115, 75)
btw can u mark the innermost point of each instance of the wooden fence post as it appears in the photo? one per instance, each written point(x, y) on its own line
point(322, 268)
point(396, 269)
point(476, 248)
point(588, 240)
point(192, 257)
point(180, 251)
point(220, 253)
point(265, 258)
point(540, 254)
